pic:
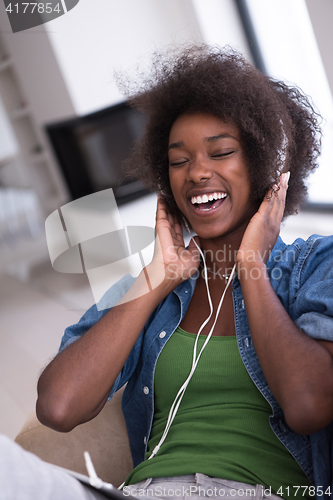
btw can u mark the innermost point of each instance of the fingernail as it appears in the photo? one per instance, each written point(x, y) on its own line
point(286, 177)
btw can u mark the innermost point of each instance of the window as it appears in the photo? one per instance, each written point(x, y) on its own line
point(290, 53)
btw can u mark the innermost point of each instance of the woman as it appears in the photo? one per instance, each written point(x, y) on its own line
point(221, 144)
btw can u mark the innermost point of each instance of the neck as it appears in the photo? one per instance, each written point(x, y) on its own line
point(220, 253)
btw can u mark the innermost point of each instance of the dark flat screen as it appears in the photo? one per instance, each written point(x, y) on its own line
point(91, 151)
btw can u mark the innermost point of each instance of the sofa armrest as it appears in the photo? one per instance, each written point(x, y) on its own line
point(105, 437)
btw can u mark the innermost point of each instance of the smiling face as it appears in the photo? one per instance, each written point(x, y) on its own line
point(208, 176)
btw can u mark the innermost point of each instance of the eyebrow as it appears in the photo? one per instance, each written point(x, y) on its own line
point(175, 145)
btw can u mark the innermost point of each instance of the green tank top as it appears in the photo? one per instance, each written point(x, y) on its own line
point(222, 425)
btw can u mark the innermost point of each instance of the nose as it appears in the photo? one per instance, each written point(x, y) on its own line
point(199, 170)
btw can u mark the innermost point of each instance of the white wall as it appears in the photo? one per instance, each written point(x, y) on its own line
point(66, 66)
point(290, 51)
point(321, 14)
point(8, 143)
point(221, 25)
point(95, 38)
point(35, 63)
point(90, 42)
point(43, 91)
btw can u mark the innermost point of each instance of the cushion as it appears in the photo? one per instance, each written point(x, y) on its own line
point(105, 437)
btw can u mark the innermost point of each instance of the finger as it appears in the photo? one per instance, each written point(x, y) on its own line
point(165, 221)
point(178, 228)
point(279, 203)
point(174, 229)
point(266, 205)
point(163, 212)
point(274, 201)
point(160, 209)
point(284, 179)
point(163, 217)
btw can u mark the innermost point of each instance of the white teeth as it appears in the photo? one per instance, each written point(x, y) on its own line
point(205, 198)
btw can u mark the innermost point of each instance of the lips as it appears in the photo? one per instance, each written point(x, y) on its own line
point(208, 201)
point(205, 198)
point(207, 207)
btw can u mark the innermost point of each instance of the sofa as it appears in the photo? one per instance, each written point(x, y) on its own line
point(105, 437)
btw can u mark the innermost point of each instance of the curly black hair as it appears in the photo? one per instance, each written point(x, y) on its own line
point(279, 129)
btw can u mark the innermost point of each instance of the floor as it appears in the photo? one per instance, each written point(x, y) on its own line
point(36, 307)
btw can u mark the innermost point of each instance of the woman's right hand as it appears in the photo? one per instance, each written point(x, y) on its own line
point(75, 385)
point(170, 255)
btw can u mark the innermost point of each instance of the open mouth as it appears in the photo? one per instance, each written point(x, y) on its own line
point(208, 201)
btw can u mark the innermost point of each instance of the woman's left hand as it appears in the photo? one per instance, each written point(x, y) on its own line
point(264, 227)
point(297, 368)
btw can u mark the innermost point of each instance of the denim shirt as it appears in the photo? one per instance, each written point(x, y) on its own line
point(301, 275)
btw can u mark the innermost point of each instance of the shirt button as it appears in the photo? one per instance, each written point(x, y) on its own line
point(246, 341)
point(162, 335)
point(146, 389)
point(145, 440)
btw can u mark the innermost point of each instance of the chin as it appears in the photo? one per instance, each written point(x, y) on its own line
point(210, 232)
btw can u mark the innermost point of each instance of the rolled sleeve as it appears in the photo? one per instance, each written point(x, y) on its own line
point(93, 315)
point(316, 325)
point(313, 306)
point(96, 312)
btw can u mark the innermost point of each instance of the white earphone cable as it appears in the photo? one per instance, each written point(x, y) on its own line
point(195, 360)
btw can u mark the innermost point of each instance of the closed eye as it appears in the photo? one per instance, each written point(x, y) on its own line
point(221, 155)
point(177, 163)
